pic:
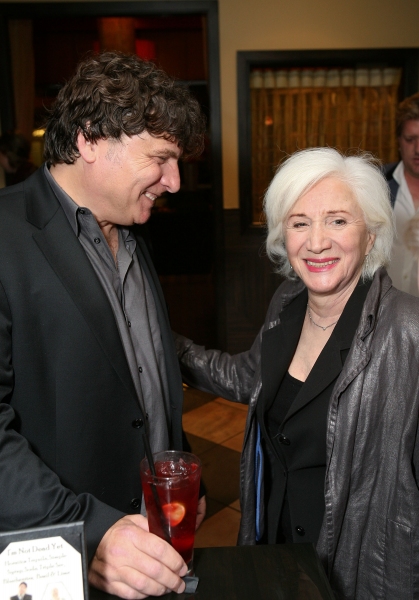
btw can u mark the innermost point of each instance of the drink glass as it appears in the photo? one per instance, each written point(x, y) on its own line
point(171, 499)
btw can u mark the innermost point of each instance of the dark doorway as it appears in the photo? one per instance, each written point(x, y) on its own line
point(181, 38)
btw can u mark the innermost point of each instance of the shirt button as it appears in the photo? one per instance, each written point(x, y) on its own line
point(140, 369)
point(136, 502)
point(82, 211)
point(300, 530)
point(97, 240)
point(129, 323)
point(137, 423)
point(283, 440)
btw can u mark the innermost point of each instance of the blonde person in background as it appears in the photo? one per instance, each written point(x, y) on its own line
point(403, 180)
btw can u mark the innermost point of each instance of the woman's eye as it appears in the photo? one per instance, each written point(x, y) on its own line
point(337, 222)
point(299, 225)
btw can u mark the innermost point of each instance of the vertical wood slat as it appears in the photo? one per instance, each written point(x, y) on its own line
point(288, 119)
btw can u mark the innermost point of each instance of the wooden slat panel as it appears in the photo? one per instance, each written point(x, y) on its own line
point(288, 119)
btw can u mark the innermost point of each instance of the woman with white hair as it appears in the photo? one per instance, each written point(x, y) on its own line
point(330, 451)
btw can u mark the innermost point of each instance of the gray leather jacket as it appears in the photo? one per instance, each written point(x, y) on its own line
point(369, 542)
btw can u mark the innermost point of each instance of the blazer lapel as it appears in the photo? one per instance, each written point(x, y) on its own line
point(67, 258)
point(330, 362)
point(326, 369)
point(278, 348)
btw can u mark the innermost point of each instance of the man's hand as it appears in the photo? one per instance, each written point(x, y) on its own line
point(202, 509)
point(133, 563)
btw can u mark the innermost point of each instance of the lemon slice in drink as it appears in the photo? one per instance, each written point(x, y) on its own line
point(174, 513)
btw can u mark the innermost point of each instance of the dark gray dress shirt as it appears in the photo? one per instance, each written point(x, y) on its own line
point(131, 298)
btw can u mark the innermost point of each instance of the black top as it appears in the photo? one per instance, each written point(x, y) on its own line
point(285, 396)
point(287, 392)
point(293, 422)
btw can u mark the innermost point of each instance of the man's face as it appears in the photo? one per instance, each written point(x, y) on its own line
point(409, 147)
point(22, 589)
point(130, 174)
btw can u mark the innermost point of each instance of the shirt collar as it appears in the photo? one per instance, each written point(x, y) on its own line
point(71, 210)
point(398, 176)
point(398, 173)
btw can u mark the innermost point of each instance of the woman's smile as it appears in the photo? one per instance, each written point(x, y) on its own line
point(327, 238)
point(316, 265)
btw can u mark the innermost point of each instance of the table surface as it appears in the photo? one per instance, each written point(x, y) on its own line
point(274, 572)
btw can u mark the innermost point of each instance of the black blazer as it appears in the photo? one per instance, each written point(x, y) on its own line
point(70, 422)
point(296, 456)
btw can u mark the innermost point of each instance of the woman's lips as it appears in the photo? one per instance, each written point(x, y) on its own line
point(321, 265)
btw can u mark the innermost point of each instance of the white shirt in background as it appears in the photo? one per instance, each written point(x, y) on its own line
point(403, 268)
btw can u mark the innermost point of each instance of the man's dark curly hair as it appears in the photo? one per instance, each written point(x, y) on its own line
point(114, 94)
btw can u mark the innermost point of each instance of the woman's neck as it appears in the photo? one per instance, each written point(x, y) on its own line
point(328, 308)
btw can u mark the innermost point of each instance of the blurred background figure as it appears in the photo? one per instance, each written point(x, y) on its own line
point(403, 179)
point(14, 157)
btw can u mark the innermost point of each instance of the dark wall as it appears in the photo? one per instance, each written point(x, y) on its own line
point(249, 283)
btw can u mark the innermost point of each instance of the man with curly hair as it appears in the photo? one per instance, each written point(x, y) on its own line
point(87, 361)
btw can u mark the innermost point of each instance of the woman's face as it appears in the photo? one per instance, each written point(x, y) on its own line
point(327, 239)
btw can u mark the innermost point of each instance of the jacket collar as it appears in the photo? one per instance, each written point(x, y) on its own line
point(380, 287)
point(289, 289)
point(41, 203)
point(360, 353)
point(55, 238)
point(280, 342)
point(330, 361)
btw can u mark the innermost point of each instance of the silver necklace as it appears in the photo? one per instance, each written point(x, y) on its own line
point(316, 324)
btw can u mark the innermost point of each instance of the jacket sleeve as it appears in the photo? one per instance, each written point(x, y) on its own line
point(230, 376)
point(31, 493)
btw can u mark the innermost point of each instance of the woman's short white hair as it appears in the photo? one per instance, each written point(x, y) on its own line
point(302, 171)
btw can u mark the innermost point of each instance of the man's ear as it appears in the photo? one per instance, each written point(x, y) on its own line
point(87, 149)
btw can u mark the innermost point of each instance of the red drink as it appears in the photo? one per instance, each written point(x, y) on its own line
point(176, 488)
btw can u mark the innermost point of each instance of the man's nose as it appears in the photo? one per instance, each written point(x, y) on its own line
point(171, 177)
